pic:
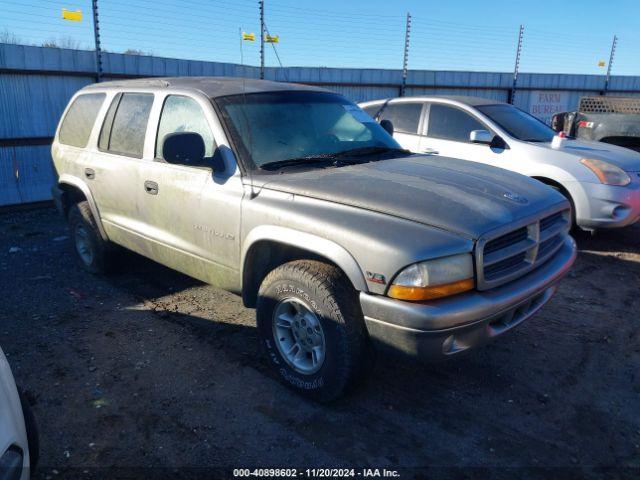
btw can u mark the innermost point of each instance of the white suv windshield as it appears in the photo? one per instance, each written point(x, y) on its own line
point(278, 126)
point(518, 124)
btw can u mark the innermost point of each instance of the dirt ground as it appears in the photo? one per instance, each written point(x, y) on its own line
point(147, 371)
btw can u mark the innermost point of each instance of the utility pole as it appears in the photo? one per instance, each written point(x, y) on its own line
point(614, 44)
point(261, 4)
point(405, 62)
point(96, 35)
point(516, 67)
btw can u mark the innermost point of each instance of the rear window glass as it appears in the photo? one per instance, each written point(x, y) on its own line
point(405, 117)
point(78, 122)
point(129, 124)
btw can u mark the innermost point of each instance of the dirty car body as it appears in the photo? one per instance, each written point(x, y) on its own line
point(297, 173)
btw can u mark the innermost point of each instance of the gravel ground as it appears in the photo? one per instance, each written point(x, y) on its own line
point(147, 371)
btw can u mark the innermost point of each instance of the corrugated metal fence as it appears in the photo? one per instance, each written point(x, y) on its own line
point(37, 82)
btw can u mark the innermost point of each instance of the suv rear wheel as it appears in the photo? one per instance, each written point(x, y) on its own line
point(92, 251)
point(312, 328)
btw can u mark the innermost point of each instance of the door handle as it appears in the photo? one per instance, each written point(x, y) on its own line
point(151, 187)
point(430, 151)
point(89, 173)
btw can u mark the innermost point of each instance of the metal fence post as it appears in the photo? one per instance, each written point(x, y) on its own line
point(614, 44)
point(405, 61)
point(516, 68)
point(96, 35)
point(261, 3)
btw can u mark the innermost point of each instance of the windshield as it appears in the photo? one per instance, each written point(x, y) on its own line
point(517, 123)
point(298, 125)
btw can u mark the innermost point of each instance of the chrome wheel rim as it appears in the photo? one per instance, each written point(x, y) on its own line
point(299, 336)
point(83, 244)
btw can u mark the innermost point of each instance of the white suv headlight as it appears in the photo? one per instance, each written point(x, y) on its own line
point(607, 173)
point(434, 278)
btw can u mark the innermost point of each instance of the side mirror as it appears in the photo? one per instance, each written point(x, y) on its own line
point(184, 148)
point(388, 126)
point(480, 136)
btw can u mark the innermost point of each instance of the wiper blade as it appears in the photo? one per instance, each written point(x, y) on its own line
point(334, 159)
point(308, 160)
point(362, 151)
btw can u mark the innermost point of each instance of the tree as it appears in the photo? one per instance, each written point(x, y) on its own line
point(62, 42)
point(9, 37)
point(135, 51)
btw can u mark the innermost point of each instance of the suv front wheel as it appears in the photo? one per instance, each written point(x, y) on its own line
point(312, 328)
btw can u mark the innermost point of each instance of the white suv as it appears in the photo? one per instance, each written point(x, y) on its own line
point(602, 181)
point(18, 436)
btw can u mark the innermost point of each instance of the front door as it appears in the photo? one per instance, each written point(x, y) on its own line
point(447, 134)
point(192, 212)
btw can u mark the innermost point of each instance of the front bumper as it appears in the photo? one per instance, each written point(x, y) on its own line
point(444, 328)
point(607, 206)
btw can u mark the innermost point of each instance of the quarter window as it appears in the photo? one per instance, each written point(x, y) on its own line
point(128, 115)
point(78, 122)
point(450, 123)
point(405, 117)
point(183, 114)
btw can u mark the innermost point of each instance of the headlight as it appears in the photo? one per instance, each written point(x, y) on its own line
point(607, 173)
point(434, 278)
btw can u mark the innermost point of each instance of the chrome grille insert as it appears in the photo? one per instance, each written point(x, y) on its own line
point(505, 256)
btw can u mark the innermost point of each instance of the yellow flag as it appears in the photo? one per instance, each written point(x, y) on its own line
point(272, 38)
point(249, 36)
point(72, 16)
point(601, 63)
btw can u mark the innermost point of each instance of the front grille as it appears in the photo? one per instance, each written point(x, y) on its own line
point(506, 240)
point(504, 266)
point(509, 255)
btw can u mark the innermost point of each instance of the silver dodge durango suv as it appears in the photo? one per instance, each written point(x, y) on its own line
point(296, 199)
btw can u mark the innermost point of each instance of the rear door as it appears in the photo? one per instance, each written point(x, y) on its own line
point(113, 171)
point(406, 117)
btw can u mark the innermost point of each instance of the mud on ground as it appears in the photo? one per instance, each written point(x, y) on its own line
point(149, 368)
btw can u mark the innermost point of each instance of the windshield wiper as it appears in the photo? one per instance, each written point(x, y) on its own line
point(333, 159)
point(308, 160)
point(362, 151)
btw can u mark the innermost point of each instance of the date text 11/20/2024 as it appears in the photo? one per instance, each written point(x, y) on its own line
point(316, 473)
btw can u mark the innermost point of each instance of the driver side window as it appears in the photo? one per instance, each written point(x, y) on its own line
point(183, 114)
point(451, 123)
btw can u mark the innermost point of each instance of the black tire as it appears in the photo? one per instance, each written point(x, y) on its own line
point(574, 226)
point(33, 438)
point(334, 302)
point(81, 222)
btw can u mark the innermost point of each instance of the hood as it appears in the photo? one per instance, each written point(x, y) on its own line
point(624, 158)
point(462, 197)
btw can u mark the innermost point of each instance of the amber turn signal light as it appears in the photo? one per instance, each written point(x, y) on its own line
point(414, 294)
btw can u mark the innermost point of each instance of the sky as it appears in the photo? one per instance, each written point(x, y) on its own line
point(559, 37)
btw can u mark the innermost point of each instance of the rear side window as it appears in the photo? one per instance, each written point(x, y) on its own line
point(125, 124)
point(405, 117)
point(78, 122)
point(450, 123)
point(183, 114)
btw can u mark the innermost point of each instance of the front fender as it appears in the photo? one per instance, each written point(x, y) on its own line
point(66, 179)
point(318, 245)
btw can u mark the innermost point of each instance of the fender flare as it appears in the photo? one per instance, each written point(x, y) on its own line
point(306, 241)
point(66, 179)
